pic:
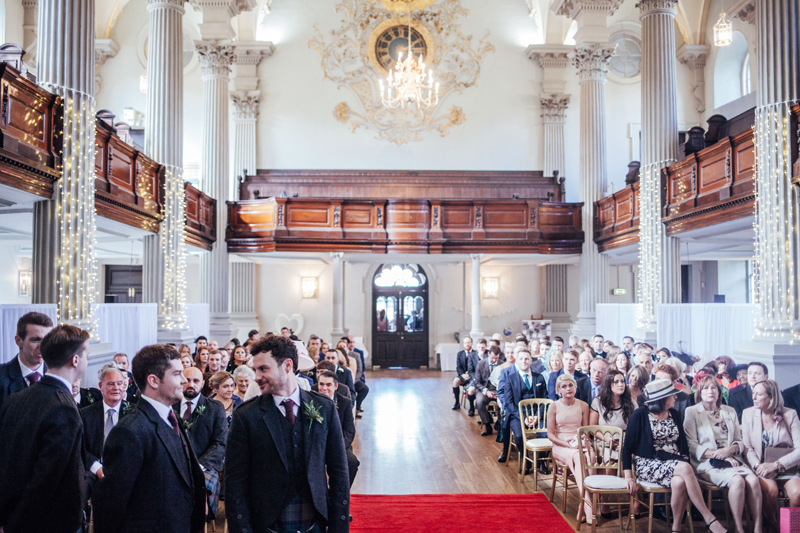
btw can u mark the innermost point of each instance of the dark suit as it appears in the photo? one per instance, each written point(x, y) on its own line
point(791, 398)
point(42, 486)
point(342, 390)
point(132, 394)
point(363, 364)
point(741, 400)
point(258, 465)
point(472, 364)
point(511, 391)
point(344, 407)
point(462, 362)
point(11, 379)
point(89, 397)
point(152, 481)
point(482, 384)
point(345, 376)
point(584, 391)
point(94, 424)
point(208, 432)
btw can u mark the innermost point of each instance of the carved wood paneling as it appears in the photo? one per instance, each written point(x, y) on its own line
point(201, 219)
point(616, 220)
point(405, 226)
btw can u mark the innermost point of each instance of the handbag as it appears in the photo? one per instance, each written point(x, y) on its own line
point(720, 463)
point(773, 453)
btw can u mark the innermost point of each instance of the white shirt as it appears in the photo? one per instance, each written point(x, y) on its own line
point(27, 371)
point(97, 465)
point(523, 374)
point(295, 397)
point(186, 402)
point(162, 410)
point(64, 381)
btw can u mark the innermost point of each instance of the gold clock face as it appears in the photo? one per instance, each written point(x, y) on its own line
point(391, 38)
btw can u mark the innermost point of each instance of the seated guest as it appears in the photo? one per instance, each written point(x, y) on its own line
point(328, 384)
point(485, 390)
point(42, 475)
point(771, 435)
point(214, 366)
point(534, 346)
point(207, 429)
point(564, 418)
point(341, 389)
point(558, 344)
point(716, 448)
point(607, 345)
point(201, 359)
point(622, 363)
point(359, 381)
point(614, 405)
point(343, 374)
point(722, 363)
point(243, 376)
point(540, 360)
point(682, 399)
point(100, 417)
point(655, 448)
point(463, 378)
point(554, 363)
point(598, 370)
point(598, 346)
point(638, 378)
point(584, 390)
point(680, 368)
point(517, 383)
point(644, 358)
point(494, 377)
point(584, 360)
point(627, 347)
point(27, 367)
point(573, 341)
point(743, 398)
point(239, 358)
point(223, 385)
point(84, 397)
point(122, 362)
point(313, 345)
point(226, 358)
point(740, 371)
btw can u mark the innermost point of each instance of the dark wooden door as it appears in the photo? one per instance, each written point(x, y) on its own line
point(400, 318)
point(120, 279)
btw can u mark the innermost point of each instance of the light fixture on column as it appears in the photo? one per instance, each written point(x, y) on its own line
point(143, 83)
point(723, 31)
point(491, 287)
point(25, 281)
point(308, 287)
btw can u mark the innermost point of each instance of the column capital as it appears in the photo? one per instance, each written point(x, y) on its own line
point(573, 8)
point(476, 257)
point(176, 5)
point(549, 55)
point(554, 107)
point(251, 52)
point(30, 4)
point(657, 7)
point(217, 16)
point(592, 61)
point(245, 106)
point(103, 50)
point(215, 59)
point(694, 56)
point(337, 255)
point(744, 10)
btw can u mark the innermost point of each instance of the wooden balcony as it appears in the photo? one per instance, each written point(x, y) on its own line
point(201, 218)
point(30, 134)
point(404, 226)
point(616, 221)
point(128, 185)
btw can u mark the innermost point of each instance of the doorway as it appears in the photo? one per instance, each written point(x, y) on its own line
point(400, 316)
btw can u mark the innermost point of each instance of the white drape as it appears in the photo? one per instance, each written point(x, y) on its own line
point(447, 355)
point(128, 327)
point(615, 321)
point(705, 329)
point(9, 315)
point(198, 318)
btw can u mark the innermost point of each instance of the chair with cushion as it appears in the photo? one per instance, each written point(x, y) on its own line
point(600, 468)
point(532, 435)
point(652, 489)
point(709, 488)
point(563, 477)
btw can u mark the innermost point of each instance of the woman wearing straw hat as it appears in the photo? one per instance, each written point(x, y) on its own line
point(655, 446)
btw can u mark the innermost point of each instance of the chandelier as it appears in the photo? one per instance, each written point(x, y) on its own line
point(723, 31)
point(407, 82)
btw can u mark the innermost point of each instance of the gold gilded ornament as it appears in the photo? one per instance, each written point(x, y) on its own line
point(402, 6)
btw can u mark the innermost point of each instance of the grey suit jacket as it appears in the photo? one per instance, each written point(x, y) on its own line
point(482, 376)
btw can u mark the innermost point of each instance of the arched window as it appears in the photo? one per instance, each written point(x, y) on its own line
point(728, 66)
point(746, 82)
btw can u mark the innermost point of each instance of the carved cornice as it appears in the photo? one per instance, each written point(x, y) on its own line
point(215, 59)
point(657, 7)
point(592, 61)
point(30, 4)
point(694, 55)
point(104, 49)
point(571, 8)
point(251, 53)
point(549, 56)
point(245, 107)
point(554, 108)
point(232, 7)
point(745, 10)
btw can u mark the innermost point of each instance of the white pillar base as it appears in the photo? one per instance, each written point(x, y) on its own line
point(337, 334)
point(221, 328)
point(475, 334)
point(585, 327)
point(244, 323)
point(176, 337)
point(782, 359)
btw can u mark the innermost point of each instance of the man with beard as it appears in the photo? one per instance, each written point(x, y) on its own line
point(152, 480)
point(285, 465)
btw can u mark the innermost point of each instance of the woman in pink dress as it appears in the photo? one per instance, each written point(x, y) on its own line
point(563, 420)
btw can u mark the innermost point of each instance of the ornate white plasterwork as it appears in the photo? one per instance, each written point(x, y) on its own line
point(345, 60)
point(554, 108)
point(592, 61)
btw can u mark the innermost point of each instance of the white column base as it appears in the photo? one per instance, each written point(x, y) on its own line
point(475, 334)
point(337, 334)
point(561, 325)
point(782, 359)
point(221, 328)
point(244, 323)
point(176, 337)
point(585, 327)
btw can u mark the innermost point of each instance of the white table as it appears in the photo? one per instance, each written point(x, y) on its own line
point(128, 327)
point(447, 355)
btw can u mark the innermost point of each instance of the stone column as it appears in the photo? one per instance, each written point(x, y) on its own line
point(30, 14)
point(659, 255)
point(164, 264)
point(694, 57)
point(243, 297)
point(476, 332)
point(338, 297)
point(591, 62)
point(555, 299)
point(777, 204)
point(66, 67)
point(215, 60)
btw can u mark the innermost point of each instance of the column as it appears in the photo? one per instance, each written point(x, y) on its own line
point(777, 203)
point(65, 245)
point(215, 60)
point(243, 297)
point(694, 57)
point(164, 264)
point(30, 14)
point(659, 255)
point(338, 297)
point(555, 292)
point(476, 332)
point(103, 50)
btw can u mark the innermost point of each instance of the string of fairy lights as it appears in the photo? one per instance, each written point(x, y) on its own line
point(171, 237)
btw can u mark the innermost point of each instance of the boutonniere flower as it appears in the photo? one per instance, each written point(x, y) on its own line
point(126, 408)
point(312, 412)
point(199, 412)
point(90, 397)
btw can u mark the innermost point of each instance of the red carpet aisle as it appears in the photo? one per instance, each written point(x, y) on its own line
point(455, 513)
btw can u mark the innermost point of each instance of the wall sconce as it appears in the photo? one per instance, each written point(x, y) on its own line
point(308, 286)
point(491, 287)
point(25, 282)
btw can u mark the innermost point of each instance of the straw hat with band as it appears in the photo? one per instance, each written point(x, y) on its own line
point(659, 389)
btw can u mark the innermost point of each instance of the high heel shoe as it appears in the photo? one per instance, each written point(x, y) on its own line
point(708, 526)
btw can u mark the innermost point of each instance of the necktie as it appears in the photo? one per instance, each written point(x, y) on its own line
point(527, 382)
point(174, 421)
point(109, 423)
point(288, 405)
point(34, 377)
point(187, 414)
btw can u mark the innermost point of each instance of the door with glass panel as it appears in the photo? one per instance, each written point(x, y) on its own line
point(400, 316)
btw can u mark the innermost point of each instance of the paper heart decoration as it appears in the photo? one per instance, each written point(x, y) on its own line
point(294, 323)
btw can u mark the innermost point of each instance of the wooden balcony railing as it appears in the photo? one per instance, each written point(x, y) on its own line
point(404, 226)
point(201, 218)
point(617, 219)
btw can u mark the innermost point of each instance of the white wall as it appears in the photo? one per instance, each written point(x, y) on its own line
point(10, 265)
point(732, 281)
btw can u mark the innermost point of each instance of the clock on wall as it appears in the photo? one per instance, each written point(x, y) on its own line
point(391, 37)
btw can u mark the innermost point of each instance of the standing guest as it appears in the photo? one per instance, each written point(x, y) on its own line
point(100, 417)
point(584, 360)
point(213, 345)
point(359, 381)
point(638, 378)
point(313, 345)
point(656, 438)
point(485, 390)
point(41, 442)
point(286, 333)
point(644, 359)
point(463, 378)
point(272, 481)
point(200, 342)
point(598, 343)
point(716, 448)
point(517, 383)
point(614, 405)
point(186, 361)
point(122, 362)
point(570, 359)
point(152, 479)
point(328, 384)
point(663, 354)
point(622, 363)
point(84, 397)
point(253, 335)
point(743, 398)
point(771, 435)
point(598, 370)
point(214, 366)
point(27, 367)
point(573, 341)
point(627, 347)
point(224, 386)
point(564, 418)
point(201, 359)
point(243, 376)
point(343, 374)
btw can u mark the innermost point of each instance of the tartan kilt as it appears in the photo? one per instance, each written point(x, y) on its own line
point(213, 490)
point(297, 515)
